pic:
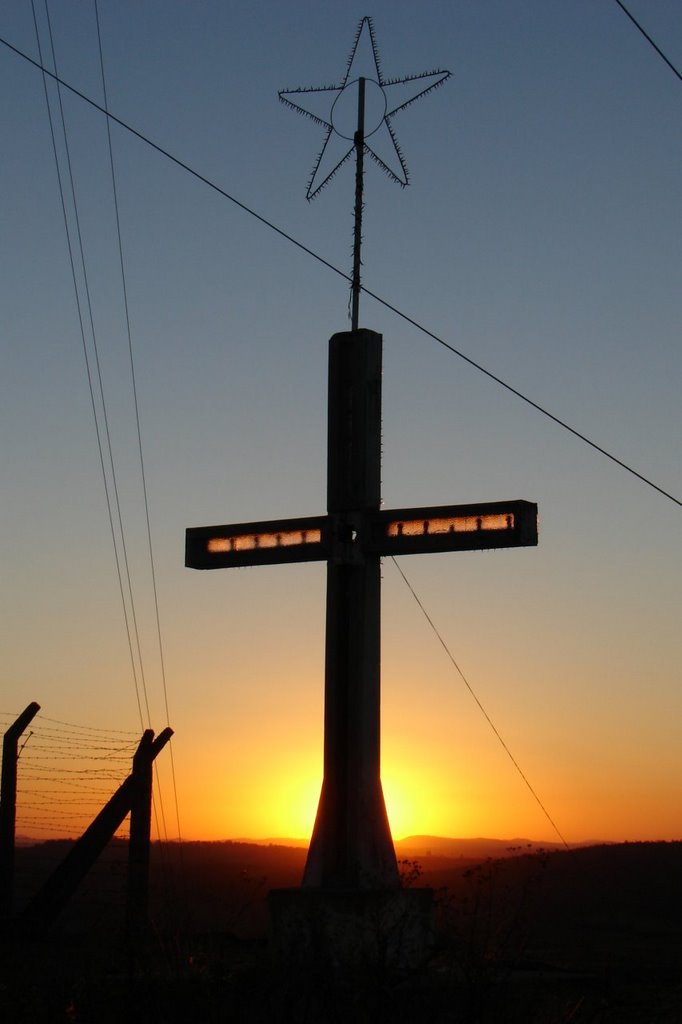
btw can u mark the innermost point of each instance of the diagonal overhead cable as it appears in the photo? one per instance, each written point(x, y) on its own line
point(480, 706)
point(330, 266)
point(648, 38)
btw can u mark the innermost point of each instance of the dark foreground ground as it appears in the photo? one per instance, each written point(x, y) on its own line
point(594, 935)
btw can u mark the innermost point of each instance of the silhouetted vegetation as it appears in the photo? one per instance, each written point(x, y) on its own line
point(592, 935)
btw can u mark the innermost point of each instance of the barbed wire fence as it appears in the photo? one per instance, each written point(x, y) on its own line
point(66, 772)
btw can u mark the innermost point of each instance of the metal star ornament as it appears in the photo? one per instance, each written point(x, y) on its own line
point(334, 109)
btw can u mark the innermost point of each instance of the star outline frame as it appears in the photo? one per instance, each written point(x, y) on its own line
point(399, 172)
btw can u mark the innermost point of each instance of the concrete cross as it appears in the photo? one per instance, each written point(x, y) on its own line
point(351, 845)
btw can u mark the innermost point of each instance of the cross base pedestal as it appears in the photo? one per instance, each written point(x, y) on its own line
point(351, 929)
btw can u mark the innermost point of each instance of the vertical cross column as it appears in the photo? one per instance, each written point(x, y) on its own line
point(351, 846)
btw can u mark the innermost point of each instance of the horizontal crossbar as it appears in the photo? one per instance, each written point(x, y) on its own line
point(349, 537)
point(412, 531)
point(262, 543)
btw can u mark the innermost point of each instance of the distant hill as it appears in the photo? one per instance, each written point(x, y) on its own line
point(295, 844)
point(478, 848)
point(437, 846)
point(26, 841)
point(469, 849)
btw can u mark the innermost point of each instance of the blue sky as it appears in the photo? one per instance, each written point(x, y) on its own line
point(540, 235)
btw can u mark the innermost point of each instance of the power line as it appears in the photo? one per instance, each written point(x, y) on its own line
point(86, 356)
point(648, 38)
point(137, 421)
point(114, 484)
point(480, 705)
point(330, 266)
point(524, 398)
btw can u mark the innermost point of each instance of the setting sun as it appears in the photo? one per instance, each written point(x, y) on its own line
point(399, 806)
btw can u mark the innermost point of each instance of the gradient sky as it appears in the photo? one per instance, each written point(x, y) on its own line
point(541, 235)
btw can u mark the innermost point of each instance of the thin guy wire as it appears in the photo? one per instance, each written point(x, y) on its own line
point(480, 706)
point(330, 266)
point(648, 38)
point(137, 416)
point(82, 327)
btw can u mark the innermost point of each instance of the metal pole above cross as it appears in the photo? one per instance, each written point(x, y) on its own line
point(351, 845)
point(359, 143)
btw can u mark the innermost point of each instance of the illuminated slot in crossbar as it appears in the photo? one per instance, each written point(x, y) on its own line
point(450, 524)
point(255, 541)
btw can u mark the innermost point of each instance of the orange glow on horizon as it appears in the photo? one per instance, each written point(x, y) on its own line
point(284, 805)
